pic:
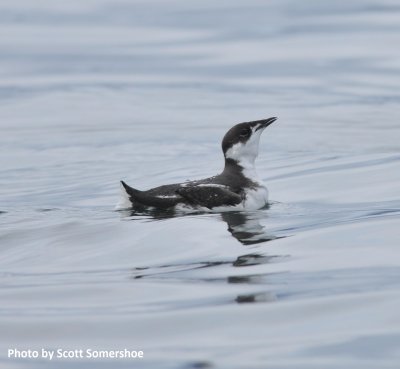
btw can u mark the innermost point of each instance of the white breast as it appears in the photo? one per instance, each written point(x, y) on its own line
point(256, 198)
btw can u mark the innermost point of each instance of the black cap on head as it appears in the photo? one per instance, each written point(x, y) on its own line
point(242, 132)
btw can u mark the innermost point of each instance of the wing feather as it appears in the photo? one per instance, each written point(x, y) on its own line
point(209, 196)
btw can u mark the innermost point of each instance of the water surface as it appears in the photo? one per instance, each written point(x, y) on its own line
point(95, 92)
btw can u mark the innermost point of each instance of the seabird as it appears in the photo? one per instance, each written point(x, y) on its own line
point(238, 187)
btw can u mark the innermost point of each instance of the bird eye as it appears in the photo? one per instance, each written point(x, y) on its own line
point(244, 132)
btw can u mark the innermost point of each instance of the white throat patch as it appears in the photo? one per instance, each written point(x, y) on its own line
point(246, 153)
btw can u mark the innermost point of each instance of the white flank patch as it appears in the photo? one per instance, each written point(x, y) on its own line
point(124, 202)
point(167, 196)
point(211, 185)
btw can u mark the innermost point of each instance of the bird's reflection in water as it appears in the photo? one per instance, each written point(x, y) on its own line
point(246, 227)
point(252, 259)
point(253, 279)
point(140, 212)
point(256, 297)
point(243, 226)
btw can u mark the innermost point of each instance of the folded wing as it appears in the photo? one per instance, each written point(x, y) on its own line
point(209, 196)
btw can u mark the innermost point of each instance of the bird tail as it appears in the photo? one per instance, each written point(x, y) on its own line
point(129, 190)
point(127, 196)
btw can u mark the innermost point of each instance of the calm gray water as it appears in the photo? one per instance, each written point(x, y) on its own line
point(96, 91)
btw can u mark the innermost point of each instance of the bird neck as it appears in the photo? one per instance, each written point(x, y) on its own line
point(240, 167)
